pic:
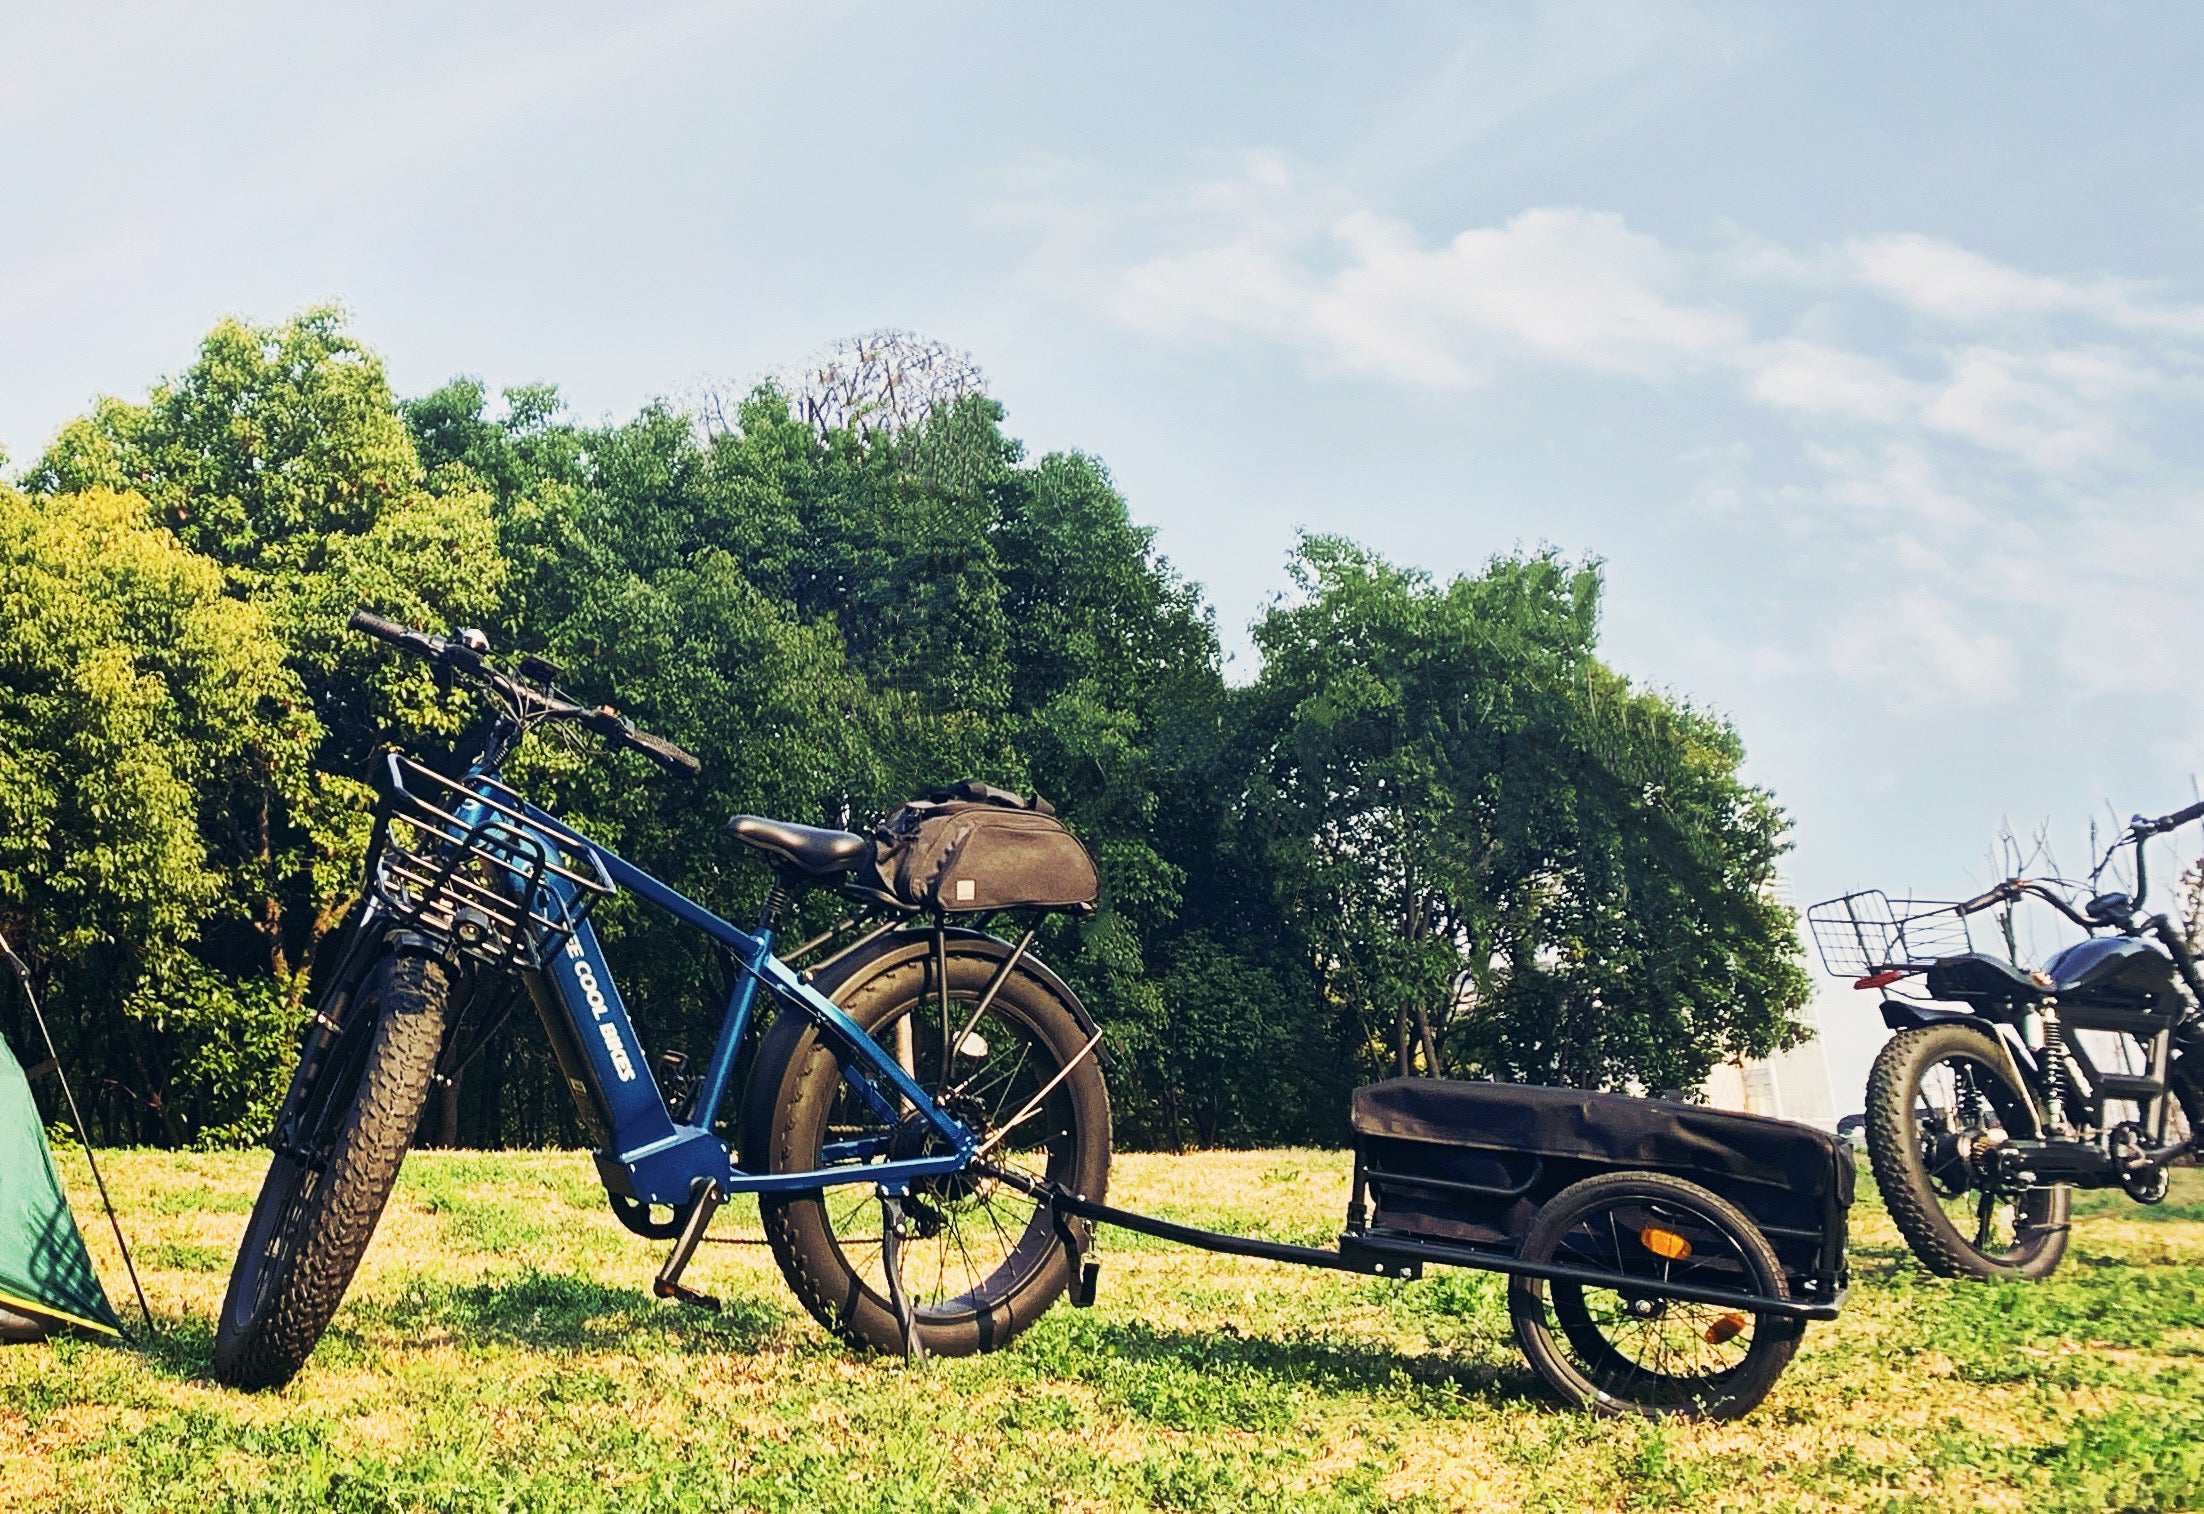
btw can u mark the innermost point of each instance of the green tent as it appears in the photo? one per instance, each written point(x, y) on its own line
point(45, 1272)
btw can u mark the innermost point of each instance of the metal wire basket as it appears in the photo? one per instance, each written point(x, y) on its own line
point(461, 862)
point(1863, 934)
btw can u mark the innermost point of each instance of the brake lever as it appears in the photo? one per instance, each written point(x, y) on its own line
point(607, 722)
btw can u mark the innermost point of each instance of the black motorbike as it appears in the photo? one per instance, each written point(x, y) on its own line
point(2005, 1087)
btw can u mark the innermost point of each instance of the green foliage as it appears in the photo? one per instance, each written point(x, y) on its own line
point(280, 455)
point(1492, 845)
point(141, 708)
point(1435, 807)
point(279, 465)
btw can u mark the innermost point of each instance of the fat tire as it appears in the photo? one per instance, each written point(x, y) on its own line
point(1724, 1396)
point(797, 1069)
point(264, 1345)
point(1893, 1154)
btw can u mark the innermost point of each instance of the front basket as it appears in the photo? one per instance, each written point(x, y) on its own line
point(1864, 933)
point(461, 862)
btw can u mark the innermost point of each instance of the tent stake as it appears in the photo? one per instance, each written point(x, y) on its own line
point(84, 1134)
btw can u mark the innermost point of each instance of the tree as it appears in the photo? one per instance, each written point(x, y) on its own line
point(140, 709)
point(656, 567)
point(281, 456)
point(1436, 829)
point(873, 384)
point(1497, 853)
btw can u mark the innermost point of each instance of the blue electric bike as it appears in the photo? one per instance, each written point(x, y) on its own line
point(904, 1109)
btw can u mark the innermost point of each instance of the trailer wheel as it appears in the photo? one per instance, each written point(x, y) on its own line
point(1630, 1348)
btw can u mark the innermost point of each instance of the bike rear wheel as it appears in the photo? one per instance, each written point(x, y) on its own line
point(1938, 1101)
point(321, 1200)
point(984, 1260)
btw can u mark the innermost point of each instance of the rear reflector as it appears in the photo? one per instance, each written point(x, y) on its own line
point(1880, 980)
point(1727, 1328)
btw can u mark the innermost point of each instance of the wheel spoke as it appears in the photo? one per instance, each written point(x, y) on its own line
point(984, 1237)
point(1642, 1348)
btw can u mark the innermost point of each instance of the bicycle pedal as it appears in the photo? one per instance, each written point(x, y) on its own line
point(1082, 1292)
point(685, 1295)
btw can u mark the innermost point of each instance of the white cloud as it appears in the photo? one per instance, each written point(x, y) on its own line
point(1897, 482)
point(1937, 278)
point(1793, 374)
point(1975, 456)
point(1572, 287)
point(1918, 650)
point(1257, 254)
point(2056, 410)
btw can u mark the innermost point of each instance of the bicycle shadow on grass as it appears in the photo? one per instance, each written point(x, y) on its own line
point(1328, 1367)
point(557, 1312)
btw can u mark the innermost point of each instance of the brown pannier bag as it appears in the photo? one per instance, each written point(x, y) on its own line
point(972, 847)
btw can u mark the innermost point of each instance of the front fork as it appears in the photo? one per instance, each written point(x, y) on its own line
point(363, 936)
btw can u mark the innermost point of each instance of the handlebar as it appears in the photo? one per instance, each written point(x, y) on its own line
point(663, 752)
point(1997, 894)
point(2013, 888)
point(621, 731)
point(605, 721)
point(403, 637)
point(2165, 823)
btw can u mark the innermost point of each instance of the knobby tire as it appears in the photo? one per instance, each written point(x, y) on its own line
point(310, 1229)
point(1894, 1153)
point(800, 1076)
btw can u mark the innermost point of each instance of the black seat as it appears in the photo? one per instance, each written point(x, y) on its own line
point(806, 848)
point(1976, 975)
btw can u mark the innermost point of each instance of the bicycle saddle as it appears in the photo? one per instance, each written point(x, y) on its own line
point(806, 848)
point(1976, 975)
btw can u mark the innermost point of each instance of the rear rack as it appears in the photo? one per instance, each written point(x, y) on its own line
point(461, 862)
point(1862, 934)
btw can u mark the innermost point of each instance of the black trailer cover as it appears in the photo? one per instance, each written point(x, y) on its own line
point(1472, 1161)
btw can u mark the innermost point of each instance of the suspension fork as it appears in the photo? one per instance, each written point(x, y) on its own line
point(332, 1011)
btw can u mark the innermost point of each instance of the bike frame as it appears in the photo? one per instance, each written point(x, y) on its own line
point(643, 1153)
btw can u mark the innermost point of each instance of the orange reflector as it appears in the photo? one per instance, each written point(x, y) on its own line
point(1879, 980)
point(1665, 1243)
point(1725, 1328)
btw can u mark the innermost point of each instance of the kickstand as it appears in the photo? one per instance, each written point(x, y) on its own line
point(704, 1202)
point(1084, 1270)
point(893, 1232)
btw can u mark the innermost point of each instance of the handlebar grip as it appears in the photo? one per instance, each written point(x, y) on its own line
point(379, 628)
point(1988, 897)
point(2179, 817)
point(663, 752)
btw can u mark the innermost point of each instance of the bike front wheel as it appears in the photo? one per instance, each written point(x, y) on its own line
point(319, 1205)
point(1939, 1102)
point(983, 1260)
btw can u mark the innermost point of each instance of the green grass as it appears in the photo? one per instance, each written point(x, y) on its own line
point(500, 1351)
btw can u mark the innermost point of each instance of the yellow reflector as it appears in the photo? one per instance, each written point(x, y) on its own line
point(1725, 1328)
point(1665, 1243)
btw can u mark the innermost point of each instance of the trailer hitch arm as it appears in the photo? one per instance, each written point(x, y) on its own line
point(1398, 1256)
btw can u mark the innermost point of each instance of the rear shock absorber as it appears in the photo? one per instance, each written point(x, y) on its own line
point(2054, 1070)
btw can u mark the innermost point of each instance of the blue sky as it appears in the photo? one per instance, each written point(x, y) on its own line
point(1862, 344)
